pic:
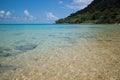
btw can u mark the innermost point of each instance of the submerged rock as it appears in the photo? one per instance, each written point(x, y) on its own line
point(5, 54)
point(4, 68)
point(26, 47)
point(1, 51)
point(7, 49)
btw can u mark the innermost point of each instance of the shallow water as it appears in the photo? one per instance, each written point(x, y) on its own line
point(60, 52)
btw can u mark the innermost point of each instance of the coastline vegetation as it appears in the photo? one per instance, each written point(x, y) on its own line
point(98, 12)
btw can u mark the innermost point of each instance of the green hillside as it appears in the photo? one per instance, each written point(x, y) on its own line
point(99, 11)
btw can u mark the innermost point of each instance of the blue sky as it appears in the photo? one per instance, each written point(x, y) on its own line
point(38, 11)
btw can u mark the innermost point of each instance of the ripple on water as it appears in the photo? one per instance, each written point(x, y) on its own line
point(20, 41)
point(70, 40)
point(17, 34)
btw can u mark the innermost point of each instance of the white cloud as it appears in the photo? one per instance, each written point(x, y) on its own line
point(12, 17)
point(79, 1)
point(2, 12)
point(82, 1)
point(51, 16)
point(60, 2)
point(5, 14)
point(8, 13)
point(78, 4)
point(73, 6)
point(28, 15)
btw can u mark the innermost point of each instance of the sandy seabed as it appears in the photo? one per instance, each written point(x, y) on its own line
point(95, 58)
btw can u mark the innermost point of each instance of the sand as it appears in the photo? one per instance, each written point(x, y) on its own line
point(96, 58)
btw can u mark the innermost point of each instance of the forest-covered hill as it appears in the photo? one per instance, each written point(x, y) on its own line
point(99, 11)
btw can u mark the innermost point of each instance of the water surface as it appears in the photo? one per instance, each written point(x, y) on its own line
point(60, 52)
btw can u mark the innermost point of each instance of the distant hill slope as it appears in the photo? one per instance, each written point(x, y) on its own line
point(99, 11)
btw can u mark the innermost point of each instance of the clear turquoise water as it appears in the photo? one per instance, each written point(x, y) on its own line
point(28, 51)
point(16, 39)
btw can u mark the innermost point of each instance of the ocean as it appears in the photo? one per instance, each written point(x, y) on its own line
point(59, 52)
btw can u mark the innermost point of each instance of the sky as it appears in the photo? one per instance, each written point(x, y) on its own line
point(38, 11)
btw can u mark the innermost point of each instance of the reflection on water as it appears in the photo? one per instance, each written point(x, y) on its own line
point(59, 52)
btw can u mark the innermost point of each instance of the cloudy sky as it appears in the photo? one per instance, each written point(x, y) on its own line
point(38, 11)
